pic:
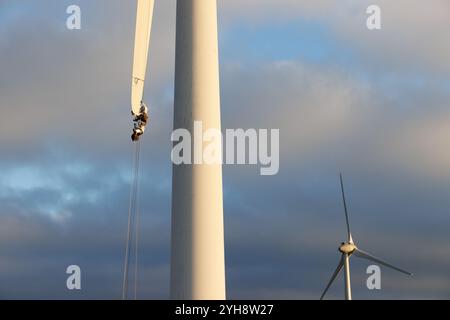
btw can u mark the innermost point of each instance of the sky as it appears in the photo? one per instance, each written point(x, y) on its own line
point(374, 105)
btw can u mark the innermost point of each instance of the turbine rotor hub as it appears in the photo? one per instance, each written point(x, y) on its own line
point(347, 248)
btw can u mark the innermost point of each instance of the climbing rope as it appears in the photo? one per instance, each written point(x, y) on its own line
point(133, 225)
point(136, 244)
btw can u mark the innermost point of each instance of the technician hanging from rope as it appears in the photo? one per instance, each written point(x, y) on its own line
point(140, 121)
point(139, 112)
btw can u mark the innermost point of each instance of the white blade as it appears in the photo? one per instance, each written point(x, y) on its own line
point(142, 39)
point(361, 254)
point(349, 234)
point(336, 272)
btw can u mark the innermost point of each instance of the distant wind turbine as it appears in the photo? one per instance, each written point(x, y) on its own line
point(348, 249)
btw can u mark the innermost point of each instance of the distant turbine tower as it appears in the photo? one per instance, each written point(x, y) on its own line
point(348, 249)
point(197, 259)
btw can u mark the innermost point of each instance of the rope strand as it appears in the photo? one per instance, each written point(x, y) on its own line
point(133, 224)
point(137, 226)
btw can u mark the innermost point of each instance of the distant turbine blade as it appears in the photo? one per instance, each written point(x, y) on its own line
point(336, 272)
point(345, 208)
point(361, 254)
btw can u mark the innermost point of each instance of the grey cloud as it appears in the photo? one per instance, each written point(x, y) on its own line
point(69, 106)
point(410, 40)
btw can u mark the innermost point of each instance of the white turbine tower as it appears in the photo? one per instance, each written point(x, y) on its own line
point(348, 249)
point(197, 258)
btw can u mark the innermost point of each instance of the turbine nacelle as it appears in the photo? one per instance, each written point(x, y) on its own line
point(347, 248)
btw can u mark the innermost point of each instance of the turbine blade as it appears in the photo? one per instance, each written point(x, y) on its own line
point(336, 272)
point(345, 209)
point(361, 254)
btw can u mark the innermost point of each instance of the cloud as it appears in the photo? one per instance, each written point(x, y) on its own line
point(54, 79)
point(409, 41)
point(64, 140)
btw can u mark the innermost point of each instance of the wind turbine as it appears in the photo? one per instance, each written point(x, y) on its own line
point(348, 249)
